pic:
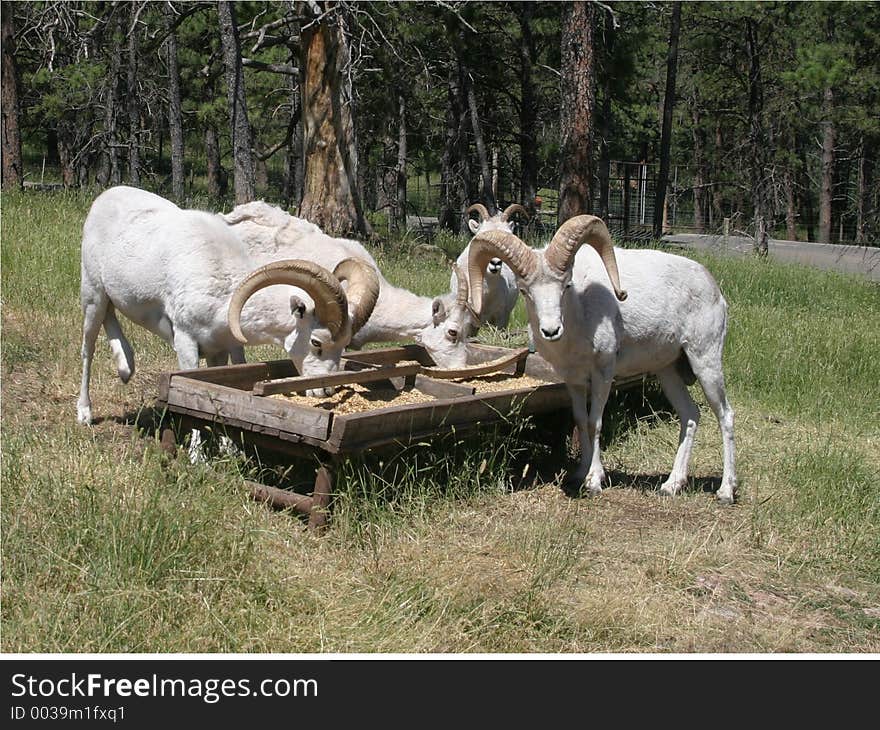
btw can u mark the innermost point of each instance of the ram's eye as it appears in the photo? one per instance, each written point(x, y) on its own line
point(316, 343)
point(568, 285)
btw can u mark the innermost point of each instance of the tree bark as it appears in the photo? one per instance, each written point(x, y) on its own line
point(699, 186)
point(486, 194)
point(454, 177)
point(175, 112)
point(826, 192)
point(293, 172)
point(110, 170)
point(400, 172)
point(239, 124)
point(528, 175)
point(790, 206)
point(605, 131)
point(577, 101)
point(216, 175)
point(331, 197)
point(134, 110)
point(863, 193)
point(758, 141)
point(666, 132)
point(12, 171)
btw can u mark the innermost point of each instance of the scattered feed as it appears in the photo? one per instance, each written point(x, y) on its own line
point(502, 381)
point(357, 398)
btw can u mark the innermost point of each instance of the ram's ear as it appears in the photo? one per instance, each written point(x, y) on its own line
point(297, 307)
point(438, 311)
point(474, 226)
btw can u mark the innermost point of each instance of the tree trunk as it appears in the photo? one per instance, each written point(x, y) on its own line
point(175, 113)
point(627, 192)
point(605, 132)
point(293, 172)
point(576, 122)
point(699, 186)
point(134, 110)
point(400, 172)
point(717, 208)
point(110, 169)
point(12, 171)
point(790, 206)
point(666, 132)
point(454, 178)
point(758, 141)
point(331, 198)
point(528, 174)
point(486, 194)
point(863, 192)
point(239, 125)
point(216, 175)
point(826, 193)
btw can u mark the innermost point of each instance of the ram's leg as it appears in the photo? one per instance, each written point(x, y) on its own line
point(237, 356)
point(221, 358)
point(711, 379)
point(187, 350)
point(677, 393)
point(93, 317)
point(600, 387)
point(123, 354)
point(578, 394)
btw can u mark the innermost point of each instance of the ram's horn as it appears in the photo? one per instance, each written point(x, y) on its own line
point(501, 245)
point(363, 289)
point(573, 234)
point(461, 296)
point(514, 208)
point(480, 209)
point(330, 302)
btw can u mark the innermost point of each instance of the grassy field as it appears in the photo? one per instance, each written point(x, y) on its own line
point(109, 547)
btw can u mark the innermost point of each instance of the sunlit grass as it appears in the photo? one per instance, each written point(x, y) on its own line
point(109, 546)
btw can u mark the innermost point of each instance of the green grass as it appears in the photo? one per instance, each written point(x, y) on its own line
point(109, 546)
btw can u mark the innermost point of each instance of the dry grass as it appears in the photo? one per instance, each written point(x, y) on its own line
point(108, 546)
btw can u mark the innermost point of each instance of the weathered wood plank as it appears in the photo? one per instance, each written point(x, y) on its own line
point(294, 385)
point(390, 355)
point(401, 422)
point(442, 388)
point(496, 365)
point(241, 376)
point(223, 402)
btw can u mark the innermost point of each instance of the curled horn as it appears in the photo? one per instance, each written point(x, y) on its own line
point(513, 209)
point(461, 296)
point(480, 209)
point(502, 245)
point(573, 234)
point(363, 289)
point(331, 306)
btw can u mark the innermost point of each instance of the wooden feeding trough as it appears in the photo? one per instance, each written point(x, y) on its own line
point(384, 397)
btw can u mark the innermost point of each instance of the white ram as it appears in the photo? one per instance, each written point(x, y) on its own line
point(672, 324)
point(185, 277)
point(440, 324)
point(499, 283)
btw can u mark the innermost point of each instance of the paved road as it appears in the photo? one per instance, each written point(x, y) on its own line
point(849, 259)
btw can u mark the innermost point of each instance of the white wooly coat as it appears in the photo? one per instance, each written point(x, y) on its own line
point(438, 323)
point(672, 324)
point(499, 284)
point(173, 272)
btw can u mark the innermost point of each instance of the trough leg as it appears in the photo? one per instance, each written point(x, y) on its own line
point(320, 500)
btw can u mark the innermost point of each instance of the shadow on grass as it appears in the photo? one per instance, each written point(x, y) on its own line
point(539, 449)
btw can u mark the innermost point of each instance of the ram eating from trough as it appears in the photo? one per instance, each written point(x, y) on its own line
point(673, 324)
point(184, 276)
point(440, 324)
